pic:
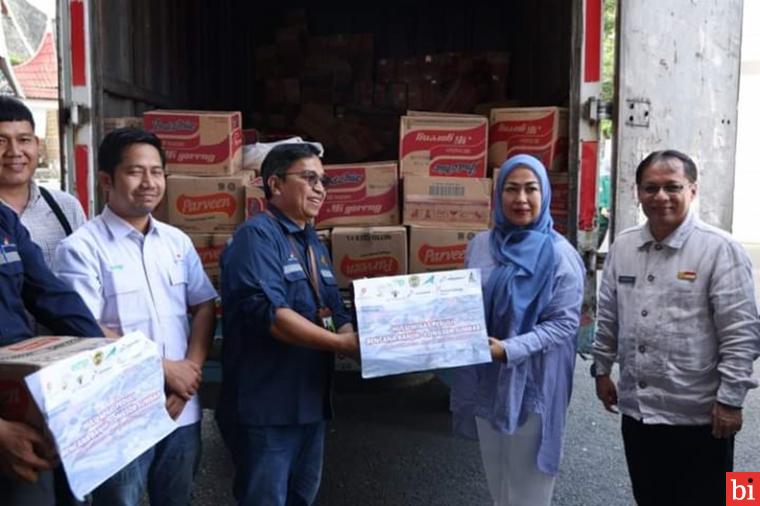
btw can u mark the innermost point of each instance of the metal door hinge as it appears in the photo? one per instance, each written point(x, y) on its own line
point(597, 110)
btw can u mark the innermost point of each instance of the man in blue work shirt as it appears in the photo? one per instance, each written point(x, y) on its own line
point(26, 283)
point(283, 322)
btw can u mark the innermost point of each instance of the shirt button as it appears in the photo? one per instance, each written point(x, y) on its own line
point(644, 313)
point(642, 384)
point(642, 348)
point(650, 278)
point(658, 247)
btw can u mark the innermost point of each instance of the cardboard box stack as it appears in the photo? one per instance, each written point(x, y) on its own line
point(541, 132)
point(437, 249)
point(361, 194)
point(360, 252)
point(199, 143)
point(336, 88)
point(209, 248)
point(447, 202)
point(537, 131)
point(205, 189)
point(452, 145)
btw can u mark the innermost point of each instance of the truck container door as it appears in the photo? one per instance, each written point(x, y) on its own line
point(677, 87)
point(76, 98)
point(585, 90)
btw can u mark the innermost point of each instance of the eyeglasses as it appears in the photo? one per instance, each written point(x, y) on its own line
point(670, 188)
point(311, 177)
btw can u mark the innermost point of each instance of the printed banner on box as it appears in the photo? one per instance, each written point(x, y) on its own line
point(104, 407)
point(421, 322)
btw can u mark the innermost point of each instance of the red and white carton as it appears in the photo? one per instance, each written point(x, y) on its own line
point(361, 195)
point(560, 182)
point(209, 248)
point(255, 198)
point(437, 249)
point(447, 202)
point(367, 252)
point(199, 143)
point(205, 204)
point(449, 145)
point(537, 131)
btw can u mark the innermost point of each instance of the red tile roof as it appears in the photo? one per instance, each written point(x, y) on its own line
point(38, 76)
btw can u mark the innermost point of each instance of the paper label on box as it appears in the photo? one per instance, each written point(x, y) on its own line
point(421, 322)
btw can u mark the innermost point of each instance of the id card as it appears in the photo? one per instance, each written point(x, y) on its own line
point(324, 318)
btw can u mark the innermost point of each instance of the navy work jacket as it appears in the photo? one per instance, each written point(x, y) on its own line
point(266, 381)
point(26, 282)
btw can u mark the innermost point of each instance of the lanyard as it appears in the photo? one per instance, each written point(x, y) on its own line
point(313, 274)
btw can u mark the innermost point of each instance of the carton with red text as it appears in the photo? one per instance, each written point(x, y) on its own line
point(209, 248)
point(366, 252)
point(205, 204)
point(447, 202)
point(537, 131)
point(361, 194)
point(199, 143)
point(437, 249)
point(437, 144)
point(255, 198)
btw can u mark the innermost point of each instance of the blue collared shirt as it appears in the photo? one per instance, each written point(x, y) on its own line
point(27, 283)
point(266, 381)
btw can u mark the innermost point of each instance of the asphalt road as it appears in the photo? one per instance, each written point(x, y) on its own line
point(393, 446)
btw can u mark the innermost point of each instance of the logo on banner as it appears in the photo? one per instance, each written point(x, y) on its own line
point(741, 489)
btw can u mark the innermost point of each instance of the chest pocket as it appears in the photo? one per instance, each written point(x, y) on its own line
point(300, 296)
point(125, 306)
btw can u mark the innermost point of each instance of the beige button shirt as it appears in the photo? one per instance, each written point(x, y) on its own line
point(681, 319)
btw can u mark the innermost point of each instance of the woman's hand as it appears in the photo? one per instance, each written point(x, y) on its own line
point(497, 350)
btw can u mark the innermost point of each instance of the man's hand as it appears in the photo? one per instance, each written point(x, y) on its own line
point(726, 421)
point(24, 451)
point(348, 345)
point(183, 377)
point(607, 393)
point(174, 405)
point(498, 354)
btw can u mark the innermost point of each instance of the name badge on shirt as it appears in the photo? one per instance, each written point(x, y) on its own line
point(325, 319)
point(627, 280)
point(292, 266)
point(687, 275)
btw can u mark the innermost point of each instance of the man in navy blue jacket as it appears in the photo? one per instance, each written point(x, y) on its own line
point(283, 322)
point(26, 283)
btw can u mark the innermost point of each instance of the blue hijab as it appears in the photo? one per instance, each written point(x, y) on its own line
point(520, 286)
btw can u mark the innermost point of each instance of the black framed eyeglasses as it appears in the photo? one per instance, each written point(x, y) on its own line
point(670, 188)
point(311, 177)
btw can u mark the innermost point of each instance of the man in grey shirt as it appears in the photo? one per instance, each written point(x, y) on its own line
point(19, 153)
point(677, 312)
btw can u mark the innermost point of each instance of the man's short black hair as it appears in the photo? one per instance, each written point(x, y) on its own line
point(281, 158)
point(689, 167)
point(13, 109)
point(113, 146)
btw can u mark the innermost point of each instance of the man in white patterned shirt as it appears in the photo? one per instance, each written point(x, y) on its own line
point(136, 273)
point(19, 153)
point(677, 311)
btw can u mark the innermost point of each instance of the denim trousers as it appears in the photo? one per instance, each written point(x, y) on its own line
point(166, 471)
point(276, 465)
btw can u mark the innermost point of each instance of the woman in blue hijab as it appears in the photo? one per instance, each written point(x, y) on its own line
point(532, 291)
